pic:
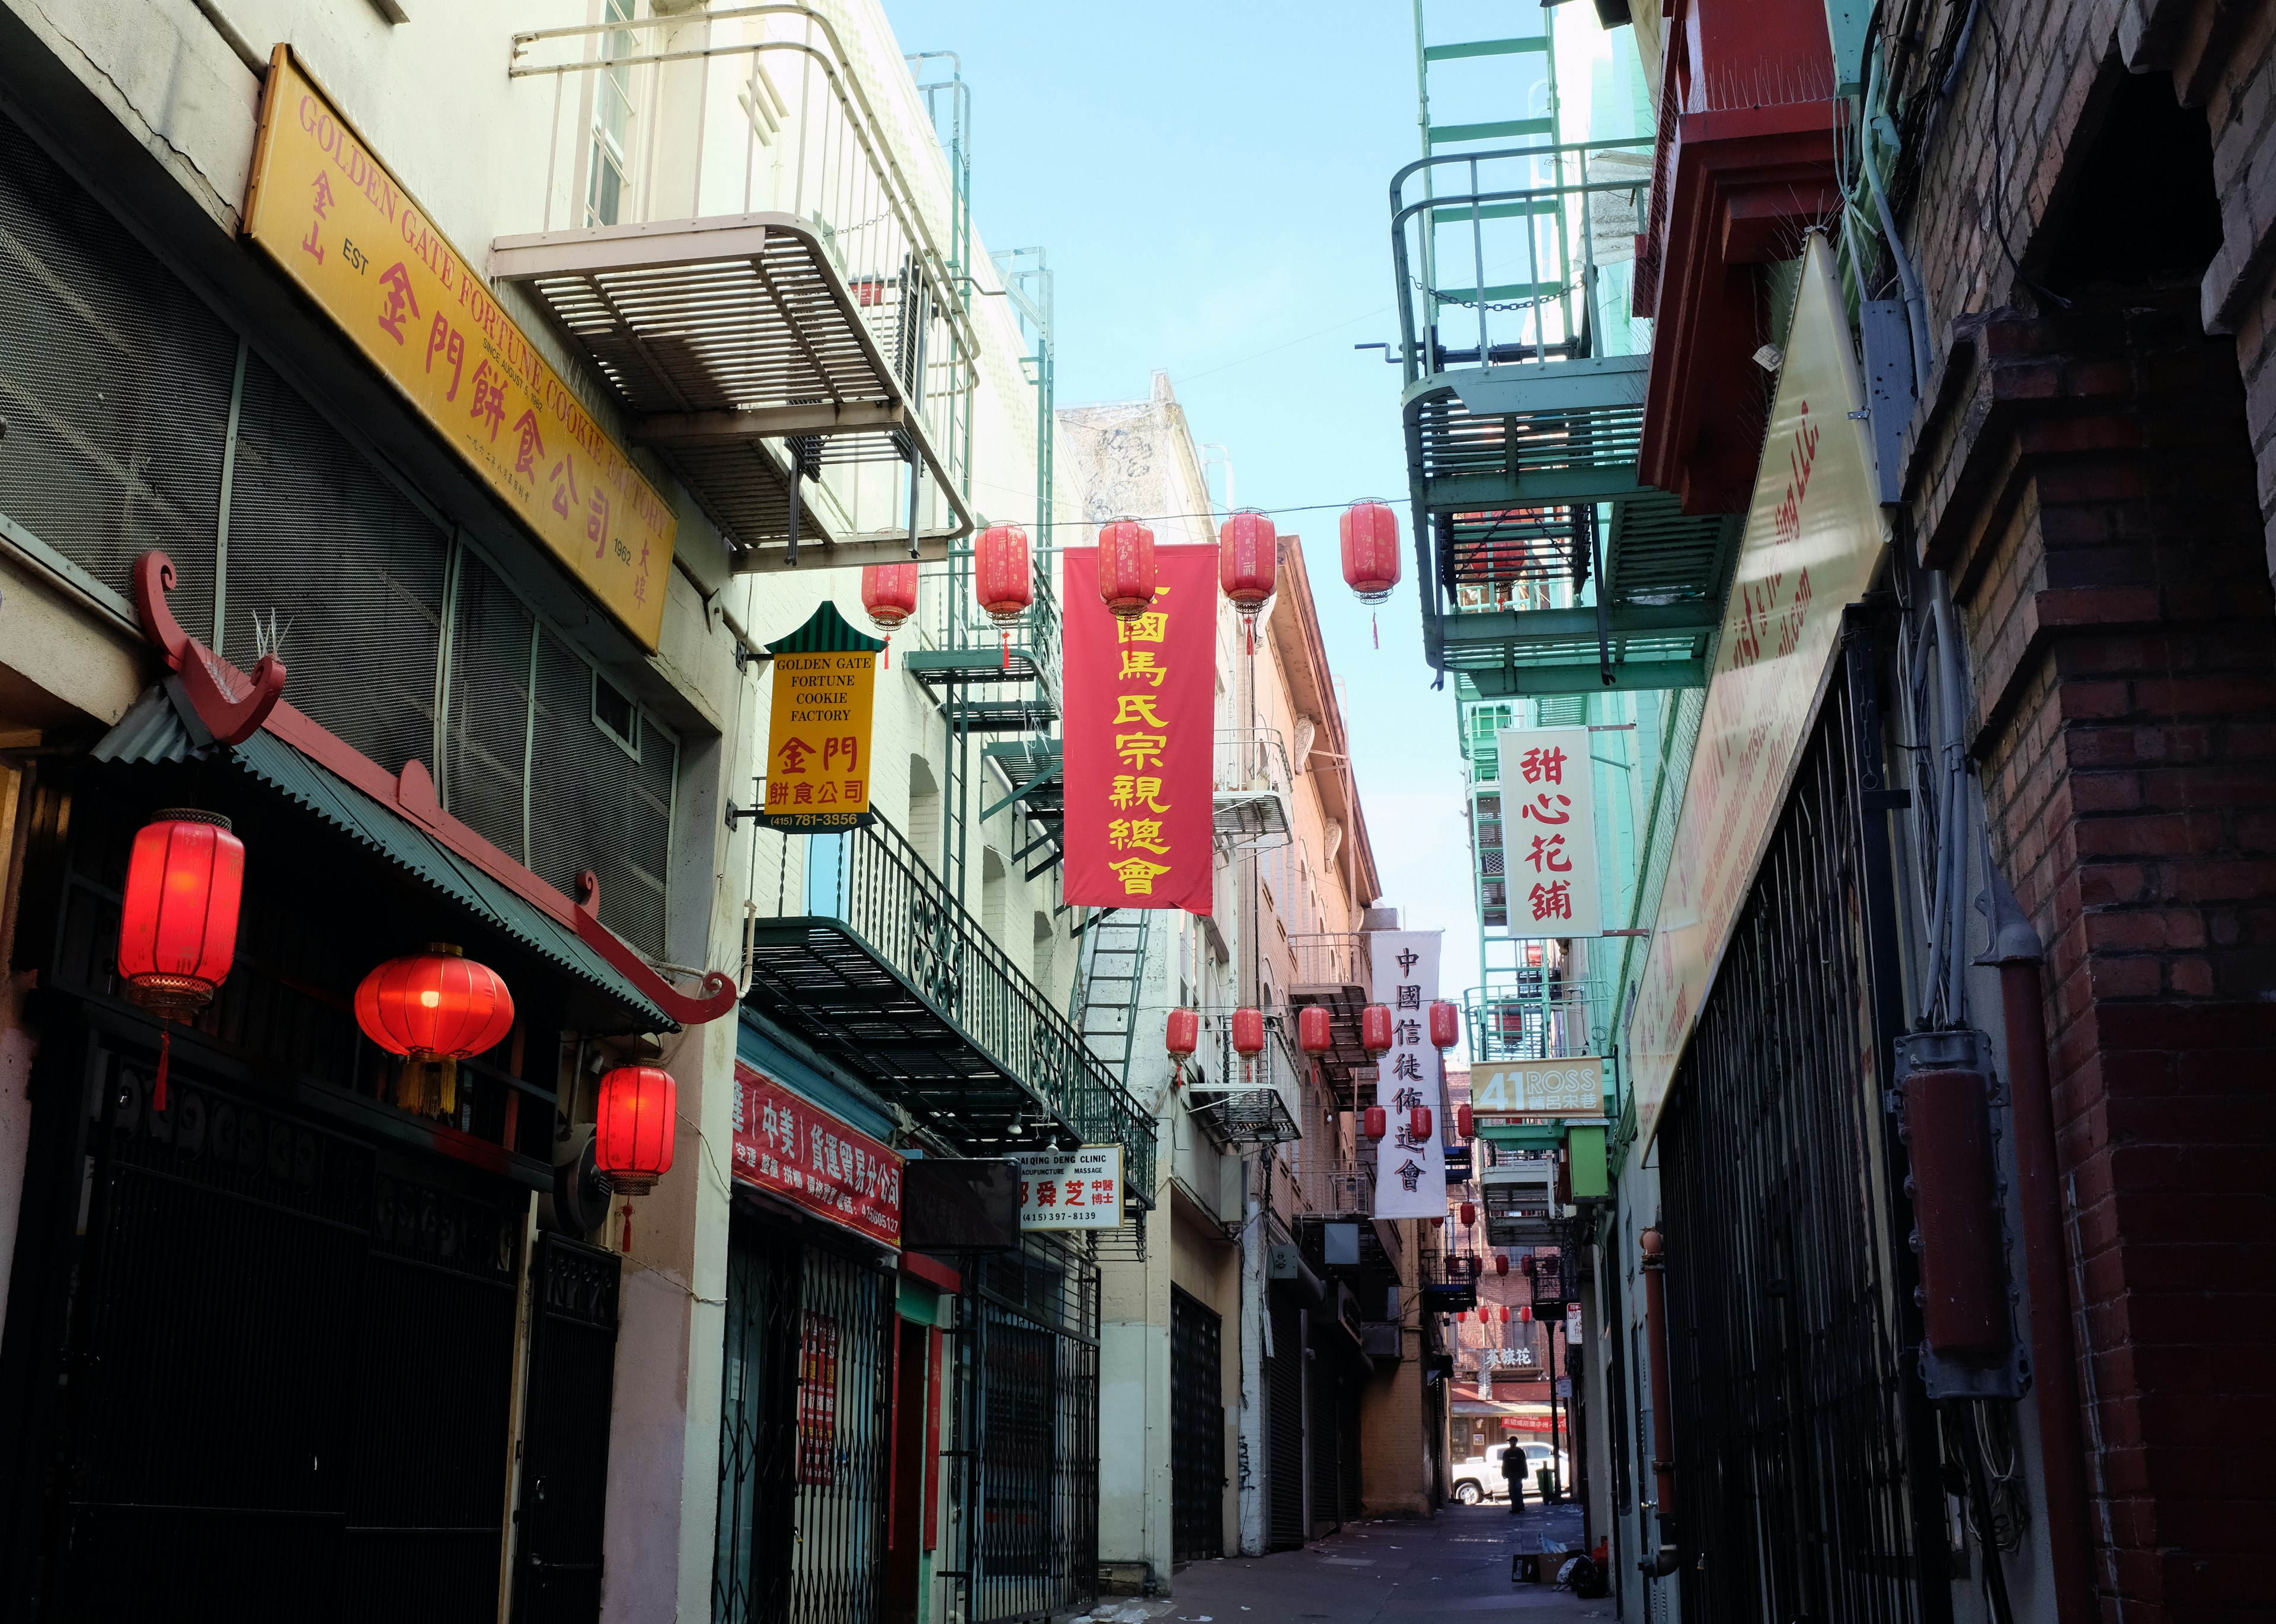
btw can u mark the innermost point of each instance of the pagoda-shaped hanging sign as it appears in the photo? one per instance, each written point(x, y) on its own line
point(825, 677)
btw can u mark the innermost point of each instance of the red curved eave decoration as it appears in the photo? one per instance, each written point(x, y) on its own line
point(233, 707)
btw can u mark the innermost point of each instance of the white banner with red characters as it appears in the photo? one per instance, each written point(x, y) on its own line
point(1410, 1168)
point(798, 1151)
point(1071, 1190)
point(1549, 831)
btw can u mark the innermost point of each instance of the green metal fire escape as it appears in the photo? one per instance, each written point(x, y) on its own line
point(1545, 566)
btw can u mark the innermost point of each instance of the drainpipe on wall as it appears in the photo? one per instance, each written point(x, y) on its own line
point(1250, 1466)
point(2016, 953)
point(1664, 1561)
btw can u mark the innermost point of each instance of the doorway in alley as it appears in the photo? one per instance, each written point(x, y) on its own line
point(1196, 1431)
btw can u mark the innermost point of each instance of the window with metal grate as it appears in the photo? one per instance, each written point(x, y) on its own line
point(486, 714)
point(348, 567)
point(597, 800)
point(115, 382)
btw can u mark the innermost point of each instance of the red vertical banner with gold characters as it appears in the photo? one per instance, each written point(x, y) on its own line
point(1140, 729)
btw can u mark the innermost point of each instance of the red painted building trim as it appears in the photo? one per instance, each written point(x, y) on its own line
point(234, 707)
point(932, 1272)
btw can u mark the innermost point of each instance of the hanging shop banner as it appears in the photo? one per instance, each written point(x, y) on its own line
point(819, 731)
point(1549, 831)
point(1071, 1190)
point(1813, 541)
point(1410, 1168)
point(337, 222)
point(795, 1149)
point(1574, 1087)
point(1141, 731)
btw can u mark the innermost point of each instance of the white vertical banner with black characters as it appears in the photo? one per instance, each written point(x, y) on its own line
point(1410, 1169)
point(1549, 831)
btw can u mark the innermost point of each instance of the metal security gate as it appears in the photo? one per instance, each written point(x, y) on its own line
point(1806, 1456)
point(1026, 1430)
point(1284, 1428)
point(290, 1364)
point(804, 1434)
point(1197, 1429)
point(564, 1459)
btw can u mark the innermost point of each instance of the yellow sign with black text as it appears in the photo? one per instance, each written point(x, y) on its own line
point(818, 740)
point(323, 207)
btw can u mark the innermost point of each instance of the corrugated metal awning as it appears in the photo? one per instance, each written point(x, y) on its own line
point(152, 730)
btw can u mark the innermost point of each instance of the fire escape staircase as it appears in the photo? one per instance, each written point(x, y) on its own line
point(1546, 566)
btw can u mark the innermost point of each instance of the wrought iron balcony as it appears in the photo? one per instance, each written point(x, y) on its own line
point(866, 954)
point(728, 238)
point(1250, 783)
point(1332, 970)
point(1546, 564)
point(990, 678)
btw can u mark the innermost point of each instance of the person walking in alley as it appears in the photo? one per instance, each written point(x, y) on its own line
point(1513, 1472)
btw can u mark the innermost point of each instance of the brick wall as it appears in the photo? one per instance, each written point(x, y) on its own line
point(2097, 482)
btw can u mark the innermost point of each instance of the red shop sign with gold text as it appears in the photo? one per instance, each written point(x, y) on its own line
point(341, 226)
point(1141, 727)
point(801, 1153)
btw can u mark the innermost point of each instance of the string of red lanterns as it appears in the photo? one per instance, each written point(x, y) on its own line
point(1127, 575)
point(1004, 578)
point(888, 593)
point(1369, 533)
point(1248, 561)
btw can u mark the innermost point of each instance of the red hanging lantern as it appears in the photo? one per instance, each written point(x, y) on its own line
point(1445, 1025)
point(1003, 578)
point(1370, 547)
point(1470, 1213)
point(1466, 1123)
point(1248, 558)
point(1524, 1314)
point(1501, 1263)
point(1182, 1037)
point(1418, 1121)
point(1377, 1122)
point(178, 929)
point(1462, 1317)
point(1313, 1035)
point(435, 1009)
point(888, 593)
point(1128, 579)
point(1247, 1036)
point(1375, 1028)
point(634, 1128)
point(1504, 1313)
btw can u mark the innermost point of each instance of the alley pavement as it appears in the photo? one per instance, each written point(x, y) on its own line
point(1454, 1567)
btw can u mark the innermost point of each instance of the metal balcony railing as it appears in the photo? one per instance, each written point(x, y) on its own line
point(728, 230)
point(1524, 1026)
point(1251, 781)
point(1332, 959)
point(1337, 1189)
point(868, 955)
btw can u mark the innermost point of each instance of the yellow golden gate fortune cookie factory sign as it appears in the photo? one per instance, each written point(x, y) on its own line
point(818, 734)
point(1566, 1087)
point(344, 229)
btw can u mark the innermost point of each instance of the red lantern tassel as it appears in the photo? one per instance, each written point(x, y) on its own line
point(158, 1083)
point(1007, 650)
point(627, 1246)
point(889, 651)
point(1377, 629)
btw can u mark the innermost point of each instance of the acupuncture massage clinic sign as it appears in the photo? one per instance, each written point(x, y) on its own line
point(343, 228)
point(1812, 543)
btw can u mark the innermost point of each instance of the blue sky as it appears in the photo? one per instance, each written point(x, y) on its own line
point(1209, 182)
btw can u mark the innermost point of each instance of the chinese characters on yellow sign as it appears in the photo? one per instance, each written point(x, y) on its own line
point(343, 228)
point(818, 736)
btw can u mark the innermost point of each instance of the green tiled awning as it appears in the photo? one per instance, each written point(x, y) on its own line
point(389, 835)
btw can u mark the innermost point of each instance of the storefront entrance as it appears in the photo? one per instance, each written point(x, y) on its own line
point(290, 1362)
point(1197, 1429)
